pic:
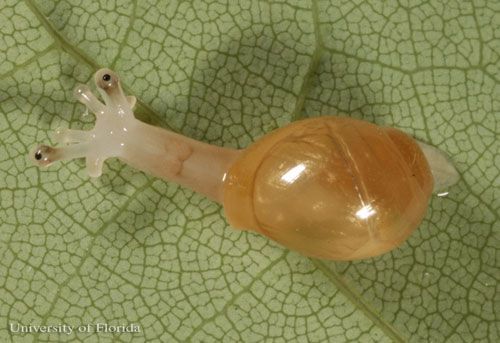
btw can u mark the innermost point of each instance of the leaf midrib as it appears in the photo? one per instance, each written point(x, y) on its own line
point(60, 41)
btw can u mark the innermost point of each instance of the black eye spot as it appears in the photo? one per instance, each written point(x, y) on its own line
point(106, 77)
point(38, 155)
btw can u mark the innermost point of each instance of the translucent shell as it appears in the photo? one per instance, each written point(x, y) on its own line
point(330, 187)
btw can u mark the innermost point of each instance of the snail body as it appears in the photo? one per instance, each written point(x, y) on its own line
point(328, 187)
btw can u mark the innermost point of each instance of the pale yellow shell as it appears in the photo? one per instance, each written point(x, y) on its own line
point(330, 187)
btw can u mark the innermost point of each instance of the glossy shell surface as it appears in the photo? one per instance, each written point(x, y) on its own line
point(330, 187)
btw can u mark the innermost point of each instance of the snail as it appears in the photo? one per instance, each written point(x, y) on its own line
point(328, 187)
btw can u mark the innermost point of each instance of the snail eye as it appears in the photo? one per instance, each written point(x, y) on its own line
point(106, 79)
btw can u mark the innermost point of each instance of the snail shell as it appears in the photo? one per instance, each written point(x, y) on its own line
point(330, 187)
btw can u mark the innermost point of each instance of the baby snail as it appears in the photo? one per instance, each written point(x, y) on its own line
point(328, 187)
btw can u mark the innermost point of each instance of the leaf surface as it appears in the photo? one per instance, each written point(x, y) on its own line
point(128, 248)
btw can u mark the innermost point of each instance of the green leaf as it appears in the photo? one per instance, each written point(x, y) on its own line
point(127, 248)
